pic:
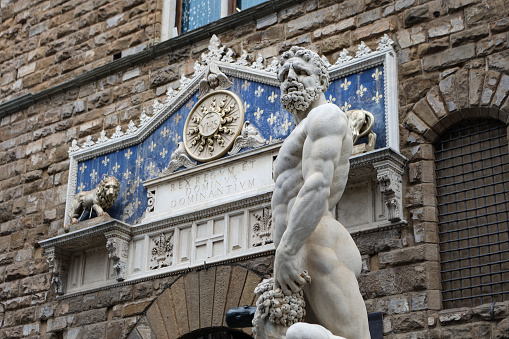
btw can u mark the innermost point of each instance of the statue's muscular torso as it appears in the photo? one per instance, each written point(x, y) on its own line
point(288, 168)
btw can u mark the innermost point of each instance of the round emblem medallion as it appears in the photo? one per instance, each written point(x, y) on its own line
point(212, 125)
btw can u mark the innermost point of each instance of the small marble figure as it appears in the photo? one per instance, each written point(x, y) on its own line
point(310, 176)
point(99, 199)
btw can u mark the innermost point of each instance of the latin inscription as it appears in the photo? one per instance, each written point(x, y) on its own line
point(213, 184)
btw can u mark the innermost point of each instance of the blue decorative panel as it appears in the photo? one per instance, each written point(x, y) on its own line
point(363, 90)
point(138, 163)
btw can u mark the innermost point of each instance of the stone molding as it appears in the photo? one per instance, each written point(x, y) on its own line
point(461, 95)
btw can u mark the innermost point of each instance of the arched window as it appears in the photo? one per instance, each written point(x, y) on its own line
point(472, 180)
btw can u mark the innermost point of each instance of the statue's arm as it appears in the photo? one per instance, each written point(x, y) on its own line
point(326, 129)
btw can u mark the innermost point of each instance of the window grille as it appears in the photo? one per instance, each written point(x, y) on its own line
point(472, 180)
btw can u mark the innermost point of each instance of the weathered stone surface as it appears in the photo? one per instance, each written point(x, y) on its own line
point(135, 308)
point(220, 294)
point(156, 321)
point(449, 57)
point(167, 312)
point(408, 322)
point(192, 285)
point(178, 293)
point(207, 287)
point(408, 255)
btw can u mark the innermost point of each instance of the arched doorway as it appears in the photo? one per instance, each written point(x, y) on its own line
point(216, 333)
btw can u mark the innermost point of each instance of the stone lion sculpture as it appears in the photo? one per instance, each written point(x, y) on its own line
point(99, 199)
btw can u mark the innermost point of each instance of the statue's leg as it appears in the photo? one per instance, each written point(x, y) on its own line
point(333, 293)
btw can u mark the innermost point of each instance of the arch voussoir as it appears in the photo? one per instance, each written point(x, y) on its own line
point(460, 95)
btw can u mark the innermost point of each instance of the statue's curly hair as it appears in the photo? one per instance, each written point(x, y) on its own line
point(104, 200)
point(307, 55)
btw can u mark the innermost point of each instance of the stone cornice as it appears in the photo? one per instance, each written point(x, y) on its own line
point(165, 47)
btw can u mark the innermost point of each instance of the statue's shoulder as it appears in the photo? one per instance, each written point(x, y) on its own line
point(328, 116)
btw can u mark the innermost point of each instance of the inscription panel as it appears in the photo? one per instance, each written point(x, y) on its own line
point(225, 182)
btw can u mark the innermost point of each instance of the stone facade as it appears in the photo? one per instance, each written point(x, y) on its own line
point(453, 63)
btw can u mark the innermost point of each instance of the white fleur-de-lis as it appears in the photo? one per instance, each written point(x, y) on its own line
point(345, 84)
point(246, 105)
point(272, 97)
point(93, 175)
point(83, 167)
point(259, 91)
point(177, 118)
point(286, 125)
point(152, 146)
point(360, 92)
point(127, 174)
point(165, 131)
point(81, 187)
point(163, 153)
point(176, 138)
point(272, 119)
point(116, 167)
point(377, 97)
point(138, 161)
point(258, 112)
point(331, 99)
point(128, 154)
point(105, 161)
point(377, 74)
point(245, 85)
point(346, 107)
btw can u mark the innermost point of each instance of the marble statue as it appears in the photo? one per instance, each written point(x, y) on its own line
point(99, 199)
point(310, 174)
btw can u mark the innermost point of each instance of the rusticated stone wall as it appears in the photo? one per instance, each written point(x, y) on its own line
point(453, 63)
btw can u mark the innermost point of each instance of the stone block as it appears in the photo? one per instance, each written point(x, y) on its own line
point(416, 15)
point(449, 57)
point(499, 61)
point(446, 26)
point(90, 317)
point(435, 102)
point(220, 293)
point(156, 321)
point(248, 296)
point(367, 17)
point(311, 21)
point(374, 30)
point(115, 329)
point(207, 287)
point(409, 322)
point(414, 123)
point(447, 317)
point(491, 45)
point(167, 311)
point(408, 255)
point(237, 280)
point(192, 284)
point(501, 92)
point(489, 88)
point(423, 111)
point(59, 323)
point(178, 293)
point(469, 35)
point(135, 308)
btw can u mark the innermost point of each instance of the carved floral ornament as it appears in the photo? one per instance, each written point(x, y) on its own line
point(217, 55)
point(212, 125)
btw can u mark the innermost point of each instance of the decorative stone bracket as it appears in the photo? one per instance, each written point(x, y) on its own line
point(58, 260)
point(117, 245)
point(390, 177)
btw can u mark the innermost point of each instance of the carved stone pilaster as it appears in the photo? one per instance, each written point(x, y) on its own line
point(390, 177)
point(58, 267)
point(117, 244)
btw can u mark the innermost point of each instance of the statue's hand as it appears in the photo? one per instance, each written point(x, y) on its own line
point(288, 273)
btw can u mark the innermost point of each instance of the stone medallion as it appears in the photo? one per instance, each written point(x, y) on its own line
point(212, 125)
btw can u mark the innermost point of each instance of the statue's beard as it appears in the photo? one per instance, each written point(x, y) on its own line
point(300, 99)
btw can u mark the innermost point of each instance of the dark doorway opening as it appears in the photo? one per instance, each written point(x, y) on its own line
point(216, 333)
